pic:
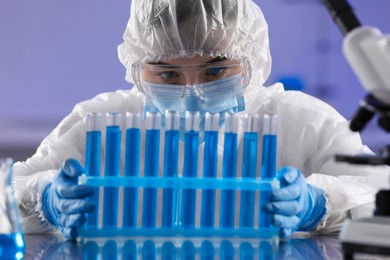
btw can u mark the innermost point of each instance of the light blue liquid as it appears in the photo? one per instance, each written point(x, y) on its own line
point(171, 153)
point(111, 168)
point(229, 170)
point(207, 250)
point(132, 164)
point(268, 170)
point(12, 246)
point(149, 250)
point(92, 166)
point(190, 169)
point(90, 251)
point(247, 251)
point(268, 167)
point(226, 250)
point(168, 251)
point(247, 203)
point(209, 171)
point(110, 250)
point(152, 151)
point(188, 251)
point(129, 250)
point(265, 251)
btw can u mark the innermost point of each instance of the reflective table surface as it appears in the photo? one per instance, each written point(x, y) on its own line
point(298, 247)
point(55, 247)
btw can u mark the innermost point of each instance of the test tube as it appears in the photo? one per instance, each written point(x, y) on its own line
point(92, 161)
point(229, 170)
point(152, 152)
point(171, 154)
point(249, 163)
point(168, 251)
point(129, 250)
point(246, 251)
point(188, 250)
point(207, 250)
point(149, 250)
point(226, 250)
point(112, 168)
point(210, 161)
point(132, 163)
point(90, 251)
point(190, 167)
point(266, 251)
point(268, 165)
point(110, 250)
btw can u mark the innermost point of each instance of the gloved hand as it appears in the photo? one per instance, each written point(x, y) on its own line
point(64, 202)
point(297, 205)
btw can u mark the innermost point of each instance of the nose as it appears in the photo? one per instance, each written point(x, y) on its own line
point(192, 78)
point(191, 90)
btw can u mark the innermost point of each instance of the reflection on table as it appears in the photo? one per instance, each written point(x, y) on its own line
point(54, 247)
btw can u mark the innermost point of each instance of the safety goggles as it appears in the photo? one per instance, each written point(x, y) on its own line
point(190, 74)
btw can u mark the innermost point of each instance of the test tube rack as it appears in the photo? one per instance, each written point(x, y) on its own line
point(186, 248)
point(159, 204)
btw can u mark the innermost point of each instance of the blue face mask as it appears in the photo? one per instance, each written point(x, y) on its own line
point(220, 96)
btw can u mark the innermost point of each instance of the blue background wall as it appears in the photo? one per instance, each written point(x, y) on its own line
point(54, 54)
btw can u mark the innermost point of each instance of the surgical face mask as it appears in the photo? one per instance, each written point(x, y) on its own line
point(219, 96)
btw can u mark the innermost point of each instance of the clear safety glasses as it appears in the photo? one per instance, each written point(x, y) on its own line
point(190, 74)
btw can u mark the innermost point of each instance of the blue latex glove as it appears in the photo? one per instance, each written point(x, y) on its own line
point(297, 205)
point(64, 201)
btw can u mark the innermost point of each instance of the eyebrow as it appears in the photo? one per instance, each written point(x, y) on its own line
point(217, 59)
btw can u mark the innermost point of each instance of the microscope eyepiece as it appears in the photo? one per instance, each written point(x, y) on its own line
point(368, 107)
point(361, 118)
point(342, 13)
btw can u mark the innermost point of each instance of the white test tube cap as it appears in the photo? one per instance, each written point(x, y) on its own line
point(246, 122)
point(266, 124)
point(270, 124)
point(94, 121)
point(172, 120)
point(254, 123)
point(6, 165)
point(192, 121)
point(274, 124)
point(113, 119)
point(251, 123)
point(153, 120)
point(212, 121)
point(231, 123)
point(133, 120)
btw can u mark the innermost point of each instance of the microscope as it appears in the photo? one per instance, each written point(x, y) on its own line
point(367, 51)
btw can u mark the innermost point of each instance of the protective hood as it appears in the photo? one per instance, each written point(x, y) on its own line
point(161, 30)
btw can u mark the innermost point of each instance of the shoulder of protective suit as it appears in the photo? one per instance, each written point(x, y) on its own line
point(306, 102)
point(293, 101)
point(118, 101)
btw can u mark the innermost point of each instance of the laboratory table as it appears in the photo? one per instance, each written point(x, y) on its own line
point(297, 247)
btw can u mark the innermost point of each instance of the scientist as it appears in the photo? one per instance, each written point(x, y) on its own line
point(209, 56)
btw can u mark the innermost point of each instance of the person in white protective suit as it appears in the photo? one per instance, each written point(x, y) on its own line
point(211, 56)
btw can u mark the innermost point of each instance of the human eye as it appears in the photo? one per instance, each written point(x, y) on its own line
point(215, 71)
point(167, 75)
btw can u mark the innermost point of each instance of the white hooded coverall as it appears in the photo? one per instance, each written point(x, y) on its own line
point(310, 132)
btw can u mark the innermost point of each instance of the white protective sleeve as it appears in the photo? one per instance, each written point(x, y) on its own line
point(310, 134)
point(67, 140)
